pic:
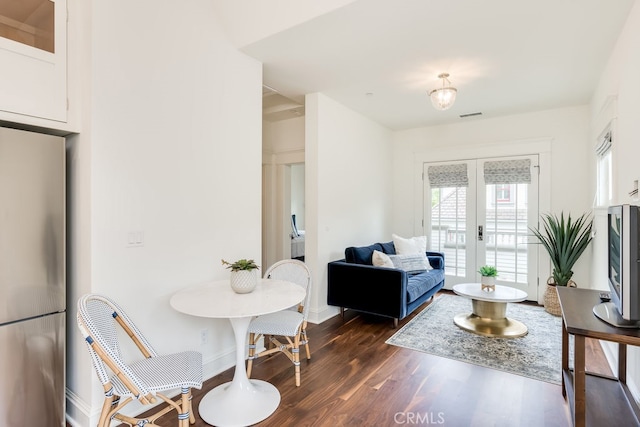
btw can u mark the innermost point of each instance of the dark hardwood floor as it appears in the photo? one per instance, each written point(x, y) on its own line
point(355, 379)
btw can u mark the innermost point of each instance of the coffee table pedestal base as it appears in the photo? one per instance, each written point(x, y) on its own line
point(489, 319)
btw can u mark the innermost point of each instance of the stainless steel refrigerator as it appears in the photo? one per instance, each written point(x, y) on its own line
point(32, 279)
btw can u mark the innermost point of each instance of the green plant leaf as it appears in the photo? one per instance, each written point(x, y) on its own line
point(488, 271)
point(565, 240)
point(242, 264)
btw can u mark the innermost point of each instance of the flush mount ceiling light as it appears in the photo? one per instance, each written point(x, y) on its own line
point(444, 97)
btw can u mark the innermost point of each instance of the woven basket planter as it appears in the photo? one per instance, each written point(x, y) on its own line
point(551, 302)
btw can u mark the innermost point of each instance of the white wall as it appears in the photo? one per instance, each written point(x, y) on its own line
point(348, 188)
point(566, 131)
point(620, 82)
point(170, 146)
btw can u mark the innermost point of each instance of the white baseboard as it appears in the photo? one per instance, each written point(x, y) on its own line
point(77, 410)
point(218, 363)
point(323, 314)
point(611, 353)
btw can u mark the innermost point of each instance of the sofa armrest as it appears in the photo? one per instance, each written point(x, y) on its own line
point(376, 290)
point(436, 259)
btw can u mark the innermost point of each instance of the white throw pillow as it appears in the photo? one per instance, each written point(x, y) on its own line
point(414, 245)
point(411, 262)
point(380, 259)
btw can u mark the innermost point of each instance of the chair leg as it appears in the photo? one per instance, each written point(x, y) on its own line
point(102, 422)
point(192, 415)
point(184, 418)
point(395, 322)
point(252, 352)
point(306, 342)
point(108, 403)
point(268, 339)
point(295, 351)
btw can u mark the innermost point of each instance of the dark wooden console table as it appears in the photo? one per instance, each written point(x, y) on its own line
point(594, 399)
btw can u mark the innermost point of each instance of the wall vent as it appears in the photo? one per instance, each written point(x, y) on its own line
point(462, 116)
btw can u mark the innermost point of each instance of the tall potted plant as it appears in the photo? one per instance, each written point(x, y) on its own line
point(565, 241)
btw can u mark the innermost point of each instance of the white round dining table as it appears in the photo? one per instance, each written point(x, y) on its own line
point(242, 401)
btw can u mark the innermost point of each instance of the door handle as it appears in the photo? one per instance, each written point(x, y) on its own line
point(480, 233)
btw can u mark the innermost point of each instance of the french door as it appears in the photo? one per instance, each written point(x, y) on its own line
point(479, 212)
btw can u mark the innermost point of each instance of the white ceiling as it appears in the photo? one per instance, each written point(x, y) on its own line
point(381, 57)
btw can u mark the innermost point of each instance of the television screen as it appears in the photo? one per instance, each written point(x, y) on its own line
point(615, 248)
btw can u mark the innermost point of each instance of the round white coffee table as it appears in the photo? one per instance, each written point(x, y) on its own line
point(489, 311)
point(241, 402)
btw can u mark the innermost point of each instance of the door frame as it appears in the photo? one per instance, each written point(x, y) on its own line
point(536, 146)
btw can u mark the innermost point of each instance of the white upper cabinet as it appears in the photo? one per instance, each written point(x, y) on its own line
point(33, 59)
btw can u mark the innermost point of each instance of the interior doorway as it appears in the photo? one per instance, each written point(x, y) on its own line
point(283, 178)
point(284, 216)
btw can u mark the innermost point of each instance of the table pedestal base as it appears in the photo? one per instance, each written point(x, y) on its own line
point(489, 319)
point(241, 402)
point(228, 405)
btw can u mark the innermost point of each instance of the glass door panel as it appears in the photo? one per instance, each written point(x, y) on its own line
point(451, 220)
point(506, 230)
point(449, 227)
point(508, 192)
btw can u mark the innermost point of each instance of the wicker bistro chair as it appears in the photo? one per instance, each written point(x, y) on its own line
point(142, 380)
point(289, 324)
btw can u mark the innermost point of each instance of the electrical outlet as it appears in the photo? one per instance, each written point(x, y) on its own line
point(135, 239)
point(204, 336)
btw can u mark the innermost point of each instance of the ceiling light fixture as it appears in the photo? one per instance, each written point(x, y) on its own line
point(444, 97)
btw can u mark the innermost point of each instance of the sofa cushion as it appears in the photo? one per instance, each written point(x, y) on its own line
point(411, 262)
point(380, 259)
point(419, 284)
point(361, 254)
point(413, 245)
point(436, 260)
point(388, 248)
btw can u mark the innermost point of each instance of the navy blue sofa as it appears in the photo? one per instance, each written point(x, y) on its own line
point(355, 283)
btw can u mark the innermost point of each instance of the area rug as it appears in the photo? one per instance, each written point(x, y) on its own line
point(537, 355)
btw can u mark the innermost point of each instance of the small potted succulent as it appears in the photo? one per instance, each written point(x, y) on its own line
point(244, 275)
point(488, 280)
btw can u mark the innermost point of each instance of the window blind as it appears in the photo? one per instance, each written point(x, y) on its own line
point(605, 145)
point(507, 171)
point(448, 175)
